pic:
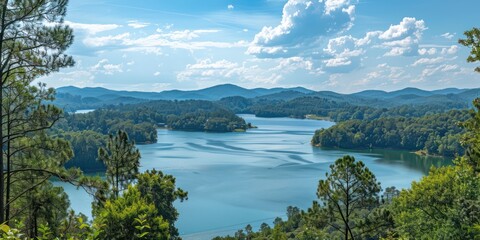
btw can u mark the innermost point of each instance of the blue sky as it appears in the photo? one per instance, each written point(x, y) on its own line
point(339, 45)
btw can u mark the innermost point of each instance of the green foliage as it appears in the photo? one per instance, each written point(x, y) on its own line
point(130, 216)
point(473, 42)
point(349, 192)
point(85, 145)
point(8, 233)
point(122, 159)
point(436, 134)
point(160, 189)
point(443, 205)
point(471, 139)
point(338, 109)
point(351, 209)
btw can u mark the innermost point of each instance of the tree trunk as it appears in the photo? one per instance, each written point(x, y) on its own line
point(9, 165)
point(2, 182)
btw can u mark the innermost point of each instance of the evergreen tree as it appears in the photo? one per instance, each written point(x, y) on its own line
point(160, 189)
point(472, 41)
point(122, 160)
point(349, 192)
point(33, 40)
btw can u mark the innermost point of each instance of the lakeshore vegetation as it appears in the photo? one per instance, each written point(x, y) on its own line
point(41, 144)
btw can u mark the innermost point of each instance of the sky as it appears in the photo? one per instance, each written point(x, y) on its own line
point(337, 45)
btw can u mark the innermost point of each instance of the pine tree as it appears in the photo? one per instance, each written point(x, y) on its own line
point(33, 40)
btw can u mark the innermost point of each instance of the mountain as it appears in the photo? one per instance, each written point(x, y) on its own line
point(409, 91)
point(371, 94)
point(74, 97)
point(93, 97)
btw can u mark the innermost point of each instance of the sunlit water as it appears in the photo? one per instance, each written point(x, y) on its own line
point(238, 178)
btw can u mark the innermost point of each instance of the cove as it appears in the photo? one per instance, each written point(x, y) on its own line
point(235, 179)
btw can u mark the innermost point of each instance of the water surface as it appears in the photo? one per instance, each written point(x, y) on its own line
point(238, 178)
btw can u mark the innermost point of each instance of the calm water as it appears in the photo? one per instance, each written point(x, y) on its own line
point(238, 178)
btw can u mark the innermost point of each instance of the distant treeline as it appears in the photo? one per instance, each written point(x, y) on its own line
point(435, 134)
point(337, 111)
point(88, 131)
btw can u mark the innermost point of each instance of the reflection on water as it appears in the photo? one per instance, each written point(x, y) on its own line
point(404, 159)
point(238, 178)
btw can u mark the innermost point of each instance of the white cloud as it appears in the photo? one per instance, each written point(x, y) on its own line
point(103, 66)
point(407, 27)
point(152, 43)
point(253, 71)
point(403, 39)
point(105, 40)
point(448, 35)
point(78, 78)
point(92, 29)
point(431, 71)
point(205, 69)
point(156, 74)
point(428, 61)
point(384, 73)
point(451, 50)
point(188, 34)
point(425, 51)
point(230, 7)
point(303, 24)
point(136, 24)
point(345, 53)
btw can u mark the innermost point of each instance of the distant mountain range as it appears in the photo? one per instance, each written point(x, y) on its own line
point(77, 98)
point(211, 93)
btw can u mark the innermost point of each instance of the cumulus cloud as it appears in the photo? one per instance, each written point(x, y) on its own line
point(254, 71)
point(230, 7)
point(450, 50)
point(303, 24)
point(345, 53)
point(425, 51)
point(403, 39)
point(205, 69)
point(103, 66)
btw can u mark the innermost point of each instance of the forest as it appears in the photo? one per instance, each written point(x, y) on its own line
point(435, 134)
point(41, 145)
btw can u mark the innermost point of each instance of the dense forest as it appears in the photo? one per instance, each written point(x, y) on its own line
point(337, 111)
point(38, 141)
point(435, 134)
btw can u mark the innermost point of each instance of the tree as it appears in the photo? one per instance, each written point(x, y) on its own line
point(471, 139)
point(33, 40)
point(122, 160)
point(472, 41)
point(160, 189)
point(443, 205)
point(130, 216)
point(348, 192)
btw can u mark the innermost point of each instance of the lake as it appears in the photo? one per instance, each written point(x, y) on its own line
point(234, 179)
